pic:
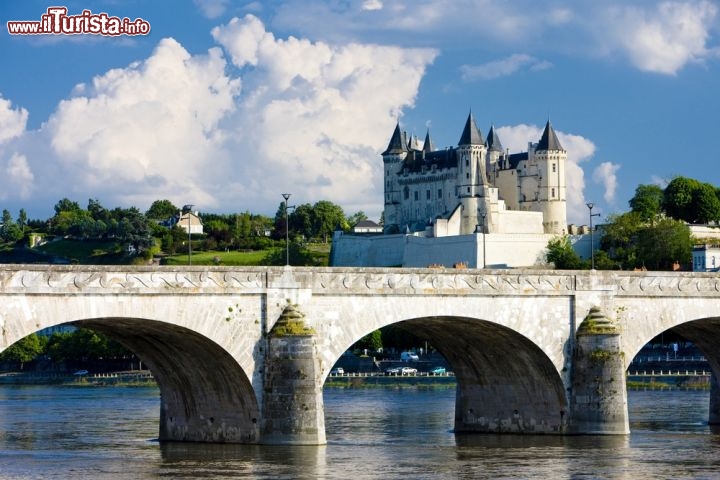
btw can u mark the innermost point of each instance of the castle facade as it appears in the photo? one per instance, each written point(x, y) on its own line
point(475, 187)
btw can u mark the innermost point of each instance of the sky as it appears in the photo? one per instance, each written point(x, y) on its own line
point(228, 104)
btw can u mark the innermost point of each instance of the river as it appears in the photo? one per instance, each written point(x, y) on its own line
point(53, 432)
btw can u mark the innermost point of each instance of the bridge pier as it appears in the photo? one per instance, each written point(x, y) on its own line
point(293, 410)
point(599, 395)
point(714, 417)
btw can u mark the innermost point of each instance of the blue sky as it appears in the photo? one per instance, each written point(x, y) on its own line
point(227, 104)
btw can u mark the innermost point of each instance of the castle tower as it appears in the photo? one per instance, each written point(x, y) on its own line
point(472, 180)
point(393, 158)
point(551, 158)
point(495, 152)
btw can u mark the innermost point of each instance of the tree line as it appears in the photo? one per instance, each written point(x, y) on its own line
point(81, 348)
point(654, 234)
point(142, 233)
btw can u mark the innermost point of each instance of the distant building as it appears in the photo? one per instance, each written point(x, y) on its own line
point(706, 258)
point(476, 185)
point(191, 222)
point(367, 226)
point(475, 204)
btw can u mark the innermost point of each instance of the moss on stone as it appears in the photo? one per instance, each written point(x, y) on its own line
point(595, 323)
point(291, 323)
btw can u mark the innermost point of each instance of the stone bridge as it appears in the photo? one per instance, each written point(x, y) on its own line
point(241, 354)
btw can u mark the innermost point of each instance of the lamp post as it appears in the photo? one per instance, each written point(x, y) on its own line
point(483, 215)
point(590, 206)
point(286, 196)
point(189, 208)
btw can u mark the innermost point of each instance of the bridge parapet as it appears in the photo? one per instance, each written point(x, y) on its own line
point(325, 280)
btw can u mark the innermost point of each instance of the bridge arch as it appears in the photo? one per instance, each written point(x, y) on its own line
point(205, 394)
point(506, 382)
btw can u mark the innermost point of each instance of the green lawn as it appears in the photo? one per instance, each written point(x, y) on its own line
point(320, 253)
point(86, 252)
point(225, 258)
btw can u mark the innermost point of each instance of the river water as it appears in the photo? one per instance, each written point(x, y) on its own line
point(49, 432)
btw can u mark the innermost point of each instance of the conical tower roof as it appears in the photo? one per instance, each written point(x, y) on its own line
point(471, 134)
point(493, 141)
point(428, 145)
point(397, 143)
point(549, 140)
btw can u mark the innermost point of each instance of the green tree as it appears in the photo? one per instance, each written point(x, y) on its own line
point(356, 217)
point(619, 239)
point(561, 253)
point(9, 230)
point(647, 201)
point(678, 198)
point(372, 342)
point(83, 345)
point(66, 205)
point(25, 350)
point(662, 244)
point(327, 217)
point(280, 222)
point(301, 221)
point(298, 256)
point(161, 210)
point(705, 204)
point(22, 220)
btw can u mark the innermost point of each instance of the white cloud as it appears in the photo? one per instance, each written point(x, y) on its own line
point(664, 37)
point(212, 8)
point(579, 149)
point(12, 121)
point(309, 118)
point(502, 68)
point(148, 131)
point(606, 175)
point(16, 178)
point(313, 117)
point(372, 5)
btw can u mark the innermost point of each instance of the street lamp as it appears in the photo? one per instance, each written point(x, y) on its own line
point(189, 208)
point(590, 205)
point(286, 196)
point(481, 227)
point(483, 215)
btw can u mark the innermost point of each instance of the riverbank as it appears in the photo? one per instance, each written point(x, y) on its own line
point(133, 378)
point(143, 378)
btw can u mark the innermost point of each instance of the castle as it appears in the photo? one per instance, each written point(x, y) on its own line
point(474, 187)
point(475, 205)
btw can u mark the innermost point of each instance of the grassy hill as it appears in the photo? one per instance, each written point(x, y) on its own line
point(99, 252)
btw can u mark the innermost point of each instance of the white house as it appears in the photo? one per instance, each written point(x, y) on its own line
point(190, 222)
point(367, 226)
point(706, 258)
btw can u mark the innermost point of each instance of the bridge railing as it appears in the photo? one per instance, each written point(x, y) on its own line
point(669, 373)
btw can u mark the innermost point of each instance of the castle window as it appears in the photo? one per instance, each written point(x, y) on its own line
point(468, 189)
point(406, 193)
point(417, 197)
point(553, 167)
point(427, 194)
point(467, 175)
point(467, 162)
point(439, 193)
point(552, 193)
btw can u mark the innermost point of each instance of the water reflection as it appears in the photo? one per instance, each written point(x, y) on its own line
point(98, 434)
point(214, 460)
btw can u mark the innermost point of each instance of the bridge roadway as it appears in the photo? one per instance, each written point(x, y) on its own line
point(533, 351)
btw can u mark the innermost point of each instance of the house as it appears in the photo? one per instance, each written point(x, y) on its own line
point(706, 258)
point(367, 226)
point(190, 222)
